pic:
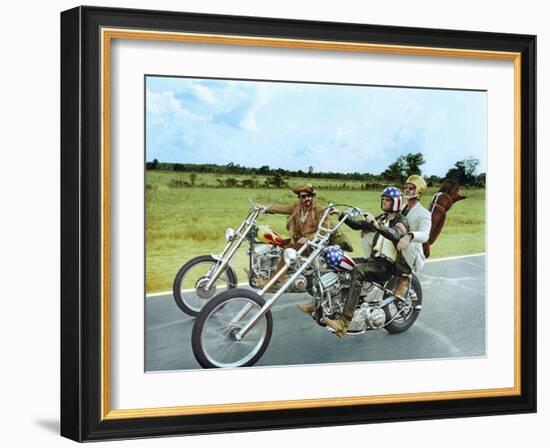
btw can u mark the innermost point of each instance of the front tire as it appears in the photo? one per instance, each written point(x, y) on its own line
point(187, 291)
point(404, 322)
point(213, 337)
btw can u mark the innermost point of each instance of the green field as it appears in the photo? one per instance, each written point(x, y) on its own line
point(183, 222)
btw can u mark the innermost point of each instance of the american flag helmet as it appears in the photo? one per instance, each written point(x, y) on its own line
point(393, 193)
point(337, 259)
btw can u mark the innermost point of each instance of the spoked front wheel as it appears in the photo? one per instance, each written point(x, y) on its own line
point(214, 339)
point(406, 313)
point(189, 287)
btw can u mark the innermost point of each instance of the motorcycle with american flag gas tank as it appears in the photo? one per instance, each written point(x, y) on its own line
point(202, 277)
point(234, 328)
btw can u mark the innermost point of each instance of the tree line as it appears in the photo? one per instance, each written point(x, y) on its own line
point(464, 171)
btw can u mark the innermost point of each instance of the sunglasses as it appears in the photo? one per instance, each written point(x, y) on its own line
point(304, 196)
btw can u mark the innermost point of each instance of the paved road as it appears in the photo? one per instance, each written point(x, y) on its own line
point(451, 324)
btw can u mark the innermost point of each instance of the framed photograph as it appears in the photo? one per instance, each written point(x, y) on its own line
point(274, 223)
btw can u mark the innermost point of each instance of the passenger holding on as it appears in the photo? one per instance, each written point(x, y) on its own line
point(420, 224)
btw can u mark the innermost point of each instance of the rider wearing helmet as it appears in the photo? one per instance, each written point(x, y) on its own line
point(420, 223)
point(387, 229)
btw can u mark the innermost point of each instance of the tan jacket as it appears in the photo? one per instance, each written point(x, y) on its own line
point(296, 228)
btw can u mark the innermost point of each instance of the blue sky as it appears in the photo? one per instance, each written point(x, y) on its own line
point(294, 125)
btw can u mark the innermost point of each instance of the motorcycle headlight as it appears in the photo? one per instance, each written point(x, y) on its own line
point(229, 234)
point(290, 255)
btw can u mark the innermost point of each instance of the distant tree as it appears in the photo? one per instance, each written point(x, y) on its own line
point(310, 170)
point(154, 165)
point(480, 180)
point(397, 171)
point(264, 169)
point(178, 167)
point(463, 171)
point(276, 181)
point(403, 167)
point(413, 162)
point(433, 181)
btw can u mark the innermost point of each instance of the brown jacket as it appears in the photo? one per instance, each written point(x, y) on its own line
point(298, 229)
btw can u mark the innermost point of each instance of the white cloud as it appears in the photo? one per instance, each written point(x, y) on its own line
point(203, 93)
point(262, 95)
point(297, 125)
point(248, 123)
point(165, 104)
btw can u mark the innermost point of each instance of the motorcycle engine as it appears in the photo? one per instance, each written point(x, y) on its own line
point(368, 317)
point(265, 260)
point(376, 318)
point(331, 283)
point(332, 298)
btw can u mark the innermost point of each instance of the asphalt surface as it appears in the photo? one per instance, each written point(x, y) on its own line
point(451, 324)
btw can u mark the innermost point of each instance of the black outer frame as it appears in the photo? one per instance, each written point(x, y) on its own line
point(81, 223)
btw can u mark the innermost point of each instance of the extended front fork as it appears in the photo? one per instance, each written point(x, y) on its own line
point(230, 249)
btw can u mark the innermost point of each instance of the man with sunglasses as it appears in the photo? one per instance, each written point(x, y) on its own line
point(303, 220)
point(304, 214)
point(420, 224)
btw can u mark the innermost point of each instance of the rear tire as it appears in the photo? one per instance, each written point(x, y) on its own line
point(187, 294)
point(402, 324)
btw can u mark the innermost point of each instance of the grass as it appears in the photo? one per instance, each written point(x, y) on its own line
point(182, 223)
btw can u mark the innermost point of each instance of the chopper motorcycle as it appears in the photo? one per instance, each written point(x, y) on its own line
point(202, 277)
point(234, 328)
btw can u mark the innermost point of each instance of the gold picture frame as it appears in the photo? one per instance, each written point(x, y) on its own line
point(86, 163)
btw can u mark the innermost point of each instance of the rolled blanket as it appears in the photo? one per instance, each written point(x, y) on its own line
point(441, 203)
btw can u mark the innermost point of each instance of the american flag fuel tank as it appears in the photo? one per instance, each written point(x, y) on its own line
point(337, 259)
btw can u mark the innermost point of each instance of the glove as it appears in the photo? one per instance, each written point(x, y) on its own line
point(371, 220)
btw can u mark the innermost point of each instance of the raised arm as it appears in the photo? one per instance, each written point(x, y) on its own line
point(361, 224)
point(280, 209)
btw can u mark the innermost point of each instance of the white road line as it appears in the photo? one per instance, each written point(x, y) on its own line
point(458, 257)
point(156, 294)
point(471, 264)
